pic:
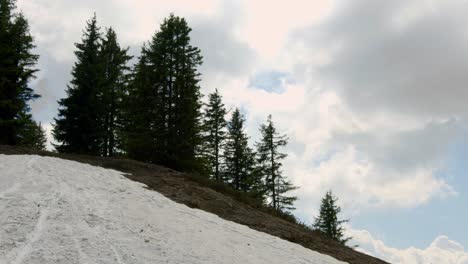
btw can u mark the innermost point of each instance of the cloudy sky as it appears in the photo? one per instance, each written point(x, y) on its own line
point(372, 95)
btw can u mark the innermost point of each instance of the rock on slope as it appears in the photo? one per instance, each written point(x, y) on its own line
point(59, 211)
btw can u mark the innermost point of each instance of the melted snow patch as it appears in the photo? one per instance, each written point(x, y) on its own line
point(59, 211)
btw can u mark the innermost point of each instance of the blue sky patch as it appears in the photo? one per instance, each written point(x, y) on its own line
point(270, 81)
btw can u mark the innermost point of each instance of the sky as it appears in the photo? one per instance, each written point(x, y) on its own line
point(370, 93)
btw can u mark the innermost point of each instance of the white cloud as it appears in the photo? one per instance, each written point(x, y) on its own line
point(367, 162)
point(362, 185)
point(261, 103)
point(383, 103)
point(224, 54)
point(441, 251)
point(394, 56)
point(268, 23)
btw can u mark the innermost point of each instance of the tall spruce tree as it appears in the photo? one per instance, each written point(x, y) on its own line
point(215, 133)
point(17, 63)
point(111, 92)
point(269, 160)
point(239, 157)
point(140, 113)
point(167, 76)
point(77, 127)
point(32, 134)
point(327, 221)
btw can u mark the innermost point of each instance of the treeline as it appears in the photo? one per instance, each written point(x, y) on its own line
point(151, 111)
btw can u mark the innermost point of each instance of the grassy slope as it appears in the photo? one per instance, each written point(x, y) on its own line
point(200, 193)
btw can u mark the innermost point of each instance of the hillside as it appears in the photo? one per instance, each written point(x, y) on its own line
point(133, 225)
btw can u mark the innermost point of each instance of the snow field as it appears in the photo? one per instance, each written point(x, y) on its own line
point(59, 211)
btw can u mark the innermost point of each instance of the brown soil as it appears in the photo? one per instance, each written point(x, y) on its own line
point(199, 193)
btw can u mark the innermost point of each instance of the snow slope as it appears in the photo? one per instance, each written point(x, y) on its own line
point(59, 211)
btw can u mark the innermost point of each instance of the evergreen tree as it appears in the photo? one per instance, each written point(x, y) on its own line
point(32, 134)
point(140, 115)
point(16, 70)
point(111, 92)
point(327, 221)
point(167, 76)
point(269, 159)
point(215, 133)
point(239, 157)
point(77, 127)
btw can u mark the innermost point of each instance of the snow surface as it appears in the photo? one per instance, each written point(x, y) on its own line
point(59, 211)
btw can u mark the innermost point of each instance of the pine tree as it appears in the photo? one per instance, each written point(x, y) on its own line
point(141, 120)
point(167, 75)
point(77, 127)
point(32, 134)
point(239, 157)
point(269, 159)
point(111, 92)
point(215, 133)
point(327, 220)
point(40, 138)
point(16, 70)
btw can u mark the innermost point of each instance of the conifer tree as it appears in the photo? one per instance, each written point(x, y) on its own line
point(170, 82)
point(215, 133)
point(32, 134)
point(141, 120)
point(77, 127)
point(239, 157)
point(40, 138)
point(327, 221)
point(111, 92)
point(269, 159)
point(17, 64)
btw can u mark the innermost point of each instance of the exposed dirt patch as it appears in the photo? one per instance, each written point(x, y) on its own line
point(195, 193)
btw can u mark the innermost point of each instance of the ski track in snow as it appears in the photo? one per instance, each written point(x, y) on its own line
point(59, 211)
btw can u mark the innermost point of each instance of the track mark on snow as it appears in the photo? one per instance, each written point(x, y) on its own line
point(33, 237)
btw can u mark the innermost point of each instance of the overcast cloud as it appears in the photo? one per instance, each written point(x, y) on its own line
point(396, 56)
